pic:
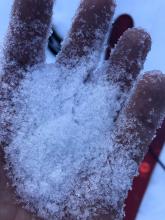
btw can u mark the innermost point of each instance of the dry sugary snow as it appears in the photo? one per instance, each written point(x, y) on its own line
point(145, 16)
point(62, 156)
point(60, 151)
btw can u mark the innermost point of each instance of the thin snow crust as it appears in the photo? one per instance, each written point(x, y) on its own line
point(60, 157)
point(59, 153)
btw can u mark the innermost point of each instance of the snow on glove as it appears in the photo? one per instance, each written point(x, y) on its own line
point(73, 133)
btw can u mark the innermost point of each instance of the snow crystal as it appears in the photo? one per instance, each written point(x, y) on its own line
point(59, 153)
point(60, 156)
point(51, 110)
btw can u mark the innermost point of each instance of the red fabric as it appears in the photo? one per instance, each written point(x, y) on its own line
point(120, 25)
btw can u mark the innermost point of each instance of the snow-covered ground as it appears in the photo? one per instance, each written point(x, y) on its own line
point(149, 15)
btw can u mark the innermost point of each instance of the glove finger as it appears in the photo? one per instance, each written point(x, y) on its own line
point(142, 115)
point(88, 32)
point(27, 35)
point(128, 58)
point(135, 128)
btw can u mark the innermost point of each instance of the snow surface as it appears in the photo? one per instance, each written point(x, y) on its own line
point(64, 127)
point(63, 139)
point(144, 16)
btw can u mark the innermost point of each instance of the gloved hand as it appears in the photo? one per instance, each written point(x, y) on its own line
point(74, 132)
